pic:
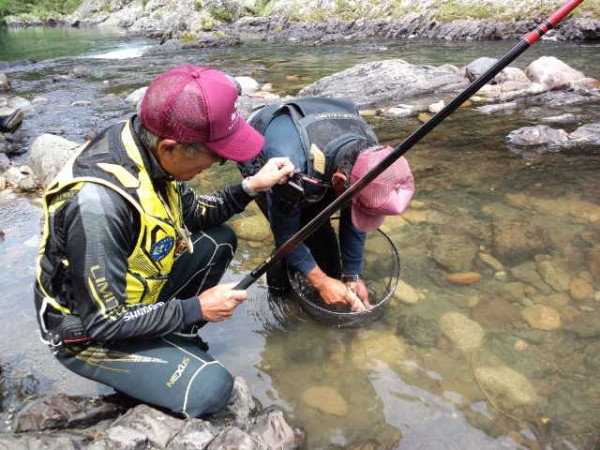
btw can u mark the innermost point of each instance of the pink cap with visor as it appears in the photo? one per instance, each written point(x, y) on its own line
point(197, 104)
point(387, 195)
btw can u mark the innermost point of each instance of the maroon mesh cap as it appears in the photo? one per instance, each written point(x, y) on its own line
point(387, 195)
point(196, 104)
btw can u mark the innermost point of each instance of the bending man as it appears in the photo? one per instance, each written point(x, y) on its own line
point(331, 147)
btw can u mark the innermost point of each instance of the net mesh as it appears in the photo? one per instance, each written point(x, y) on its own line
point(381, 274)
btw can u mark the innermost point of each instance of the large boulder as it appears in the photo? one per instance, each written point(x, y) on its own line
point(386, 83)
point(48, 155)
point(552, 73)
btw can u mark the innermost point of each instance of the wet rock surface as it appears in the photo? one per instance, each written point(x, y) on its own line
point(418, 331)
point(65, 422)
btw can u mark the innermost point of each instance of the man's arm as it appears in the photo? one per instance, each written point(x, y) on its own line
point(99, 229)
point(201, 212)
point(352, 245)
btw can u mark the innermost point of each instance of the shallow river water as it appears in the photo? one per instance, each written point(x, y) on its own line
point(489, 380)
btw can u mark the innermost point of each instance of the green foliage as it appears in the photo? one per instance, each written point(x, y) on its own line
point(38, 8)
point(453, 10)
point(262, 7)
point(221, 13)
point(187, 37)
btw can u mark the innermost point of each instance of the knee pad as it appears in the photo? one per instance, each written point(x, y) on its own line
point(210, 392)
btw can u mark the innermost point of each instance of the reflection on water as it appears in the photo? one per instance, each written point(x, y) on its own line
point(470, 368)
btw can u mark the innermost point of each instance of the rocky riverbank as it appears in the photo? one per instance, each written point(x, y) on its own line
point(317, 22)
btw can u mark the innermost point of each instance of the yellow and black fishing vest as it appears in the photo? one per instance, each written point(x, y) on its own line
point(113, 160)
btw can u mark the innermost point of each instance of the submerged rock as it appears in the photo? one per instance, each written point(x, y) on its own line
point(505, 382)
point(465, 334)
point(418, 330)
point(541, 317)
point(325, 399)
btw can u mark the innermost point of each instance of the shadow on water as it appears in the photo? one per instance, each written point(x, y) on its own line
point(519, 388)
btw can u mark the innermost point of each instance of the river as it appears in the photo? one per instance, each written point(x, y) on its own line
point(467, 182)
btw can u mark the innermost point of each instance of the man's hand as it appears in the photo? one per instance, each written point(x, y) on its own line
point(218, 303)
point(275, 171)
point(333, 291)
point(360, 289)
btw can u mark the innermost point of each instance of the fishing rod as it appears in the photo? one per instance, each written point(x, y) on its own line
point(524, 43)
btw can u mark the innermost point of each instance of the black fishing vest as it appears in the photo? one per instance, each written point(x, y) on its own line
point(327, 128)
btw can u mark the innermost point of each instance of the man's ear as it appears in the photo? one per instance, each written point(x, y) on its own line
point(165, 147)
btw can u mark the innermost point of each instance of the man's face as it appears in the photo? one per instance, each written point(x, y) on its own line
point(177, 162)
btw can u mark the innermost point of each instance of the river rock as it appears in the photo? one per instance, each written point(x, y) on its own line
point(465, 334)
point(378, 345)
point(247, 84)
point(538, 135)
point(234, 438)
point(585, 326)
point(581, 289)
point(46, 442)
point(325, 399)
point(272, 429)
point(516, 291)
point(516, 238)
point(593, 262)
point(20, 177)
point(588, 134)
point(507, 107)
point(142, 425)
point(463, 278)
point(195, 435)
point(17, 102)
point(556, 300)
point(495, 313)
point(48, 155)
point(584, 211)
point(554, 274)
point(478, 67)
point(407, 294)
point(541, 317)
point(62, 411)
point(454, 252)
point(527, 202)
point(505, 382)
point(4, 83)
point(490, 261)
point(552, 73)
point(418, 330)
point(562, 118)
point(510, 75)
point(11, 119)
point(4, 162)
point(385, 83)
point(136, 97)
point(252, 228)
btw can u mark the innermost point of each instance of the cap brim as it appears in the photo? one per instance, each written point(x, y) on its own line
point(241, 145)
point(364, 222)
